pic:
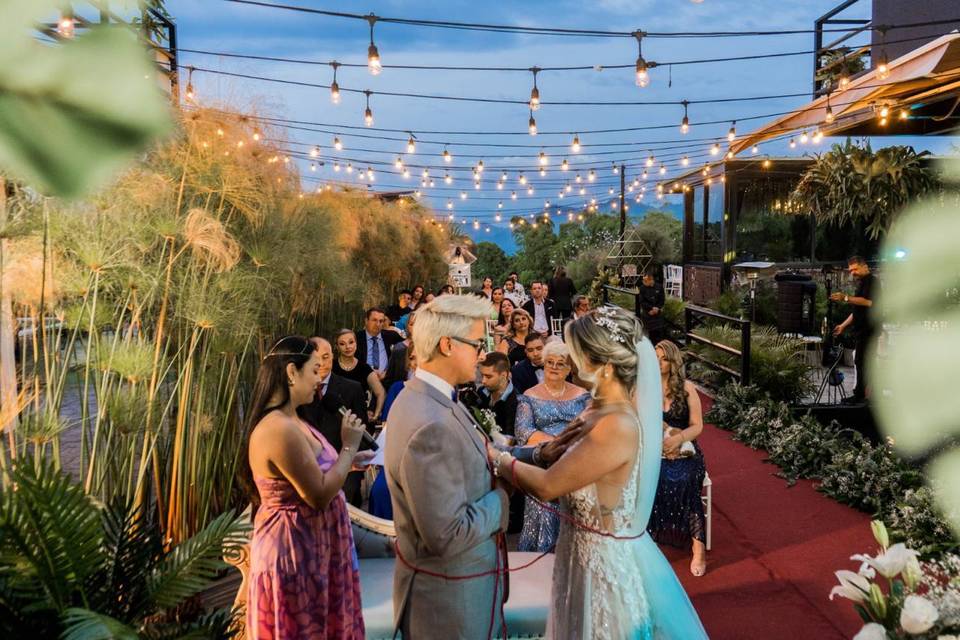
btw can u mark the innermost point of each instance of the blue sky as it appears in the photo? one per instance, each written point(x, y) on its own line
point(220, 26)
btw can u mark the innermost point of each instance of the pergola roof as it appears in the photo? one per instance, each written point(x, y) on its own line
point(919, 82)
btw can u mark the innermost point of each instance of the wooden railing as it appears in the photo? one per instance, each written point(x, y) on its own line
point(694, 316)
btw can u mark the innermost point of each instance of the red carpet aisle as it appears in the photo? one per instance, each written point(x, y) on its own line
point(775, 549)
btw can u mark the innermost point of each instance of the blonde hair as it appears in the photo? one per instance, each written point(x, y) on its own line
point(517, 311)
point(448, 315)
point(556, 348)
point(591, 337)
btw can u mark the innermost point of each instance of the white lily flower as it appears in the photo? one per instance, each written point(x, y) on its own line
point(918, 615)
point(852, 586)
point(871, 631)
point(891, 562)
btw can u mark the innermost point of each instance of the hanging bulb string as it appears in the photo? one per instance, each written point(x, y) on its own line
point(557, 31)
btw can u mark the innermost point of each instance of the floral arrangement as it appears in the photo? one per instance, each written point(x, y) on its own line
point(898, 597)
point(487, 421)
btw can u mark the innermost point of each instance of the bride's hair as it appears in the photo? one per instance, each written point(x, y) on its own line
point(607, 335)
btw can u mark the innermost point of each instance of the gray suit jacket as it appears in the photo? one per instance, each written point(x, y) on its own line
point(445, 515)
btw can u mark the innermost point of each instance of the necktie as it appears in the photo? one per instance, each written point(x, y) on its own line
point(321, 390)
point(453, 395)
point(375, 352)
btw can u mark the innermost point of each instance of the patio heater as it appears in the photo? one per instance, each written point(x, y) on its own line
point(752, 272)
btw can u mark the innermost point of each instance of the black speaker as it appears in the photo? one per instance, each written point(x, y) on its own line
point(796, 304)
point(858, 417)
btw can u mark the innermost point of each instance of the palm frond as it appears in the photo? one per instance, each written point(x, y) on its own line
point(50, 530)
point(83, 624)
point(192, 564)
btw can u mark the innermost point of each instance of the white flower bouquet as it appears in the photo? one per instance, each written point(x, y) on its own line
point(898, 597)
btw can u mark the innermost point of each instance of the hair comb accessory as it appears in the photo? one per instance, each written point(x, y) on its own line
point(603, 317)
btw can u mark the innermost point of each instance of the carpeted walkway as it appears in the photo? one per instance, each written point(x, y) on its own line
point(775, 549)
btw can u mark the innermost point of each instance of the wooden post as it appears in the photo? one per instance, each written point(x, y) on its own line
point(8, 371)
point(623, 201)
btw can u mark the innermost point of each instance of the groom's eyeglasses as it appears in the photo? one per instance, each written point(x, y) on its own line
point(479, 345)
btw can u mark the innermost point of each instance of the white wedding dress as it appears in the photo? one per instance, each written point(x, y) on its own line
point(615, 589)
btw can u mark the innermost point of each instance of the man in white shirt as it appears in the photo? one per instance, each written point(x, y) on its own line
point(540, 309)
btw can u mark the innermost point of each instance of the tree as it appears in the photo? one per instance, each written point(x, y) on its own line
point(492, 261)
point(536, 245)
point(663, 233)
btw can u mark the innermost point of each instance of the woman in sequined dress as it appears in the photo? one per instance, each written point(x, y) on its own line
point(677, 518)
point(542, 413)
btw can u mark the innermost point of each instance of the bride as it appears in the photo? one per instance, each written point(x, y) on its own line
point(610, 580)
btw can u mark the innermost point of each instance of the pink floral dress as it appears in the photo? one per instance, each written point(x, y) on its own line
point(304, 573)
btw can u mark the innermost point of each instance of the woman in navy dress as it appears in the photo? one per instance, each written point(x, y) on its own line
point(677, 518)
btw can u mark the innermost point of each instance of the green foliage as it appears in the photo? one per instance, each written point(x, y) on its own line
point(56, 129)
point(851, 184)
point(673, 311)
point(70, 566)
point(729, 303)
point(604, 277)
point(663, 234)
point(849, 468)
point(777, 363)
point(492, 261)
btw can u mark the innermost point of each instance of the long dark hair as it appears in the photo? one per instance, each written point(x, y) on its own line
point(271, 381)
point(396, 366)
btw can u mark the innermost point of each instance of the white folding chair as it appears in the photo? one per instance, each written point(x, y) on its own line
point(708, 508)
point(556, 326)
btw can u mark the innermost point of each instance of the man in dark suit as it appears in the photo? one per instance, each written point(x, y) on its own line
point(529, 372)
point(323, 414)
point(496, 390)
point(540, 308)
point(650, 301)
point(374, 344)
point(402, 308)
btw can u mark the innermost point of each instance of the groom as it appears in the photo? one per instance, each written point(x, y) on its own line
point(447, 507)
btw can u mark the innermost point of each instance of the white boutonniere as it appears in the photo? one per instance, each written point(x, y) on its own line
point(487, 422)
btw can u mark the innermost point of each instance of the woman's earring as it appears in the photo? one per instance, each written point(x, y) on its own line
point(290, 382)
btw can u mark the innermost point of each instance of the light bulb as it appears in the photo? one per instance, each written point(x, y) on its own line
point(543, 159)
point(732, 133)
point(685, 125)
point(315, 152)
point(715, 149)
point(522, 179)
point(406, 173)
point(349, 167)
point(368, 117)
point(883, 69)
point(256, 135)
point(66, 26)
point(336, 167)
point(543, 172)
point(565, 166)
point(513, 195)
point(583, 191)
point(650, 160)
point(463, 195)
point(532, 126)
point(449, 204)
point(499, 186)
point(500, 205)
point(817, 136)
point(447, 179)
point(766, 163)
point(793, 143)
point(446, 156)
point(575, 147)
point(844, 81)
point(480, 166)
point(615, 169)
point(313, 166)
point(370, 175)
point(610, 190)
point(530, 190)
point(645, 174)
point(568, 188)
point(398, 163)
point(476, 185)
point(685, 161)
point(663, 168)
point(804, 138)
point(643, 76)
point(884, 111)
point(904, 114)
point(335, 93)
point(730, 154)
point(426, 172)
point(337, 144)
point(534, 99)
point(592, 175)
point(754, 149)
point(373, 60)
point(578, 179)
point(411, 145)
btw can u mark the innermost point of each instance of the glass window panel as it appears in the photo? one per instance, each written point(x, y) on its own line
point(698, 250)
point(714, 226)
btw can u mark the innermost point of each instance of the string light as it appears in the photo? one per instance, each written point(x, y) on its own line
point(411, 144)
point(730, 154)
point(650, 160)
point(615, 169)
point(685, 123)
point(685, 161)
point(336, 167)
point(313, 166)
point(66, 26)
point(190, 93)
point(663, 168)
point(715, 149)
point(592, 175)
point(503, 176)
point(522, 179)
point(754, 149)
point(406, 173)
point(480, 166)
point(315, 152)
point(766, 163)
point(535, 92)
point(883, 68)
point(513, 195)
point(256, 135)
point(564, 166)
point(368, 114)
point(804, 138)
point(532, 125)
point(793, 143)
point(575, 147)
point(463, 195)
point(817, 136)
point(398, 163)
point(370, 175)
point(829, 115)
point(450, 206)
point(373, 55)
point(904, 114)
point(500, 205)
point(568, 187)
point(543, 172)
point(499, 186)
point(447, 179)
point(530, 190)
point(334, 86)
point(446, 155)
point(543, 160)
point(337, 144)
point(349, 167)
point(643, 76)
point(583, 191)
point(732, 133)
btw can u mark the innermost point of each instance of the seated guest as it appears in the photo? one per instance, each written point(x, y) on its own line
point(416, 297)
point(517, 285)
point(496, 297)
point(529, 372)
point(677, 517)
point(323, 412)
point(581, 306)
point(511, 292)
point(497, 391)
point(542, 413)
point(516, 338)
point(446, 289)
point(428, 297)
point(303, 580)
point(504, 309)
point(402, 308)
point(403, 362)
point(487, 288)
point(372, 343)
point(497, 394)
point(540, 308)
point(349, 365)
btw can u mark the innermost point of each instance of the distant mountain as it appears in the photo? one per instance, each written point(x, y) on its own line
point(503, 236)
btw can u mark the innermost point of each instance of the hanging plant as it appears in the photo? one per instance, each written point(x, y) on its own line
point(851, 184)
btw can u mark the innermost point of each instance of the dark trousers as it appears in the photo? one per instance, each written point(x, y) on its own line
point(351, 488)
point(860, 362)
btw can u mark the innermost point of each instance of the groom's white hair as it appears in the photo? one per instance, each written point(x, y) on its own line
point(447, 315)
